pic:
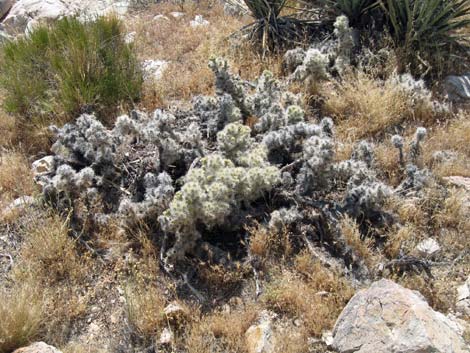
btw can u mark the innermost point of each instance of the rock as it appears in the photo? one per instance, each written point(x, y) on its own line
point(428, 247)
point(153, 69)
point(235, 8)
point(176, 14)
point(25, 11)
point(458, 87)
point(5, 6)
point(25, 14)
point(38, 347)
point(327, 338)
point(130, 37)
point(459, 181)
point(174, 311)
point(16, 208)
point(166, 336)
point(259, 338)
point(161, 17)
point(198, 21)
point(43, 166)
point(463, 298)
point(387, 318)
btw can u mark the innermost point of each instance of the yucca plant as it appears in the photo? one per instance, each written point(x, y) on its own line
point(425, 30)
point(357, 11)
point(271, 29)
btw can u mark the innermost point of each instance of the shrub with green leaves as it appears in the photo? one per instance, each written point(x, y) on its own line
point(426, 30)
point(70, 67)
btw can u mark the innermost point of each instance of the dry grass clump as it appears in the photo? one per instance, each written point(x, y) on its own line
point(362, 246)
point(7, 129)
point(220, 331)
point(16, 179)
point(49, 254)
point(21, 316)
point(315, 295)
point(145, 304)
point(265, 244)
point(400, 241)
point(50, 263)
point(367, 107)
point(453, 138)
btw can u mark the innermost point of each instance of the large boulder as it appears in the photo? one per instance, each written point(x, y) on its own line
point(458, 87)
point(387, 318)
point(38, 347)
point(25, 14)
point(5, 6)
point(463, 298)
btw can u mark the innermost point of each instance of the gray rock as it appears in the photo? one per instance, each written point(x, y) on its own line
point(17, 206)
point(153, 69)
point(38, 347)
point(387, 318)
point(199, 21)
point(459, 181)
point(458, 87)
point(25, 14)
point(43, 166)
point(259, 338)
point(5, 6)
point(463, 298)
point(428, 247)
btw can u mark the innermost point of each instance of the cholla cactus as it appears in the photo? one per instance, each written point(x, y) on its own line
point(294, 58)
point(205, 170)
point(367, 197)
point(415, 178)
point(284, 217)
point(313, 67)
point(345, 43)
point(219, 186)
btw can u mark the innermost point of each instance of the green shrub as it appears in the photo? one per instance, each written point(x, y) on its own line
point(69, 67)
point(425, 31)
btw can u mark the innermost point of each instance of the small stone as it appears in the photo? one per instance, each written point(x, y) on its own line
point(166, 336)
point(459, 181)
point(153, 69)
point(161, 17)
point(428, 247)
point(463, 298)
point(176, 14)
point(198, 21)
point(259, 338)
point(43, 166)
point(327, 338)
point(130, 37)
point(17, 206)
point(38, 347)
point(174, 310)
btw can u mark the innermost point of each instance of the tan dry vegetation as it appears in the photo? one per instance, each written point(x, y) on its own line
point(188, 51)
point(50, 263)
point(220, 331)
point(21, 314)
point(366, 107)
point(314, 295)
point(362, 246)
point(266, 244)
point(145, 304)
point(453, 137)
point(16, 179)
